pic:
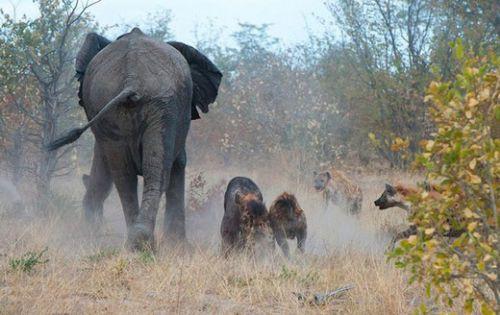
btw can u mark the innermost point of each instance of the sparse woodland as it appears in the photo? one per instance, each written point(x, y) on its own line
point(407, 89)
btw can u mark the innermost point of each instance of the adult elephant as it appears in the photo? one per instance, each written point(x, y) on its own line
point(140, 96)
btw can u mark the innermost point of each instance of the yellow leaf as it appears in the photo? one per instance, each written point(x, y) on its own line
point(486, 310)
point(429, 231)
point(473, 102)
point(412, 239)
point(471, 226)
point(492, 276)
point(474, 179)
point(484, 94)
point(472, 164)
point(468, 114)
point(468, 213)
point(429, 145)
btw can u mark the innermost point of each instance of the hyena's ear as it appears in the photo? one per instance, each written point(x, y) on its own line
point(238, 198)
point(328, 174)
point(389, 189)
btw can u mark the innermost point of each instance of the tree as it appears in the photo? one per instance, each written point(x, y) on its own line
point(268, 106)
point(380, 58)
point(378, 70)
point(463, 156)
point(37, 71)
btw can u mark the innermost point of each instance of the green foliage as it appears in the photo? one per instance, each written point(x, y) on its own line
point(28, 261)
point(287, 273)
point(463, 157)
point(379, 66)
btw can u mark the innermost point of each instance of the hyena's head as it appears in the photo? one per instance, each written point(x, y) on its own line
point(255, 226)
point(391, 197)
point(286, 205)
point(321, 180)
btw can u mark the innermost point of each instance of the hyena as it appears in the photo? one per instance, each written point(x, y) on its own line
point(397, 197)
point(245, 224)
point(288, 220)
point(339, 190)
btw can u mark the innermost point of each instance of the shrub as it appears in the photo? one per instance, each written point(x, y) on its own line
point(463, 158)
point(28, 262)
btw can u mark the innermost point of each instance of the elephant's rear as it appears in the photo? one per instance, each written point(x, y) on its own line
point(156, 72)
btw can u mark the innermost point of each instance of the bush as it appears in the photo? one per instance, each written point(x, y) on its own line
point(28, 262)
point(463, 158)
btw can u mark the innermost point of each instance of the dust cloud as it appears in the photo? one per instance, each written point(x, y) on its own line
point(329, 230)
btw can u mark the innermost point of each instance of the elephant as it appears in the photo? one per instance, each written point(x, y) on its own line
point(140, 95)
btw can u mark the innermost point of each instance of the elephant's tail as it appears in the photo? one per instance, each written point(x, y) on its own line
point(74, 134)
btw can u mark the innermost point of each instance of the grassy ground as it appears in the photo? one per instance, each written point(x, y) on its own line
point(96, 275)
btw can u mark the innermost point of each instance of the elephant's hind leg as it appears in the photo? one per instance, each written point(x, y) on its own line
point(124, 176)
point(98, 185)
point(174, 222)
point(157, 162)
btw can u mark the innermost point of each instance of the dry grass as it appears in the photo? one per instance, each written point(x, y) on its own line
point(96, 275)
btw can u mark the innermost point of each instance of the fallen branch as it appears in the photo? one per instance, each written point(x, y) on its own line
point(320, 298)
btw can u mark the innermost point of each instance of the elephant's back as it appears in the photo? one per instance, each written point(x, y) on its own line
point(153, 69)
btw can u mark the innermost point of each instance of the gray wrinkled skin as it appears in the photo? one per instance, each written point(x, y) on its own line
point(144, 135)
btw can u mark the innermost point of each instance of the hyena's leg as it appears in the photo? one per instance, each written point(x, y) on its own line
point(301, 240)
point(412, 230)
point(326, 199)
point(280, 237)
point(229, 235)
point(98, 185)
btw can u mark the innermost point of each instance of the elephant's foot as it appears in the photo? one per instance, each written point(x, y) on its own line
point(140, 238)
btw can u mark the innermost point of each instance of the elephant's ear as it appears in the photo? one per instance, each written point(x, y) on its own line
point(93, 44)
point(206, 78)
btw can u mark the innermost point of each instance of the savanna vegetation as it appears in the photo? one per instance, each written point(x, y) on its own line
point(407, 89)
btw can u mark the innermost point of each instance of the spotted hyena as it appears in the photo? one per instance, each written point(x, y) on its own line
point(245, 224)
point(394, 197)
point(339, 190)
point(397, 197)
point(288, 220)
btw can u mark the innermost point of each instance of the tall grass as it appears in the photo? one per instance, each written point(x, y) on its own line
point(96, 274)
